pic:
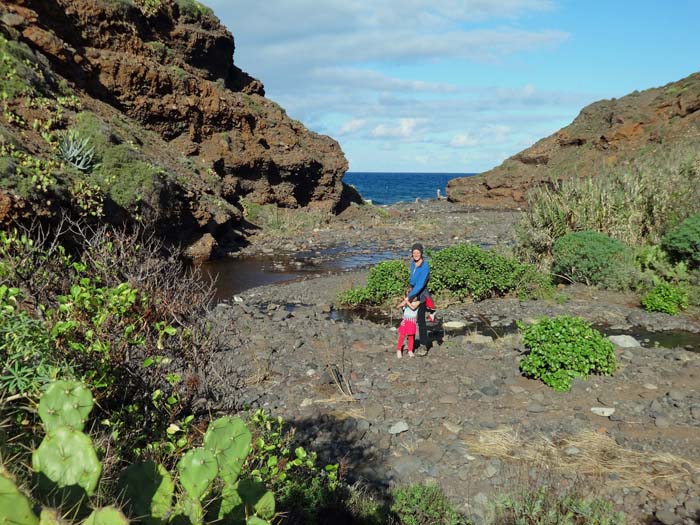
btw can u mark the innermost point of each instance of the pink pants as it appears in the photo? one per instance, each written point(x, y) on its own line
point(407, 329)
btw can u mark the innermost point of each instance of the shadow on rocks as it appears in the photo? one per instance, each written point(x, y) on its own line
point(346, 441)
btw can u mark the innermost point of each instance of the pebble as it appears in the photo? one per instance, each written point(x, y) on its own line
point(603, 411)
point(666, 517)
point(624, 341)
point(398, 428)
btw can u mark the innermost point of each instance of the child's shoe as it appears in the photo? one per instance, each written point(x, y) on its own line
point(411, 354)
point(398, 354)
point(431, 317)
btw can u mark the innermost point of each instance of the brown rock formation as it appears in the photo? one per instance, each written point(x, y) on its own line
point(170, 69)
point(605, 133)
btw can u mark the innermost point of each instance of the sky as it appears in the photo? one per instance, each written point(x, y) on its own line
point(454, 86)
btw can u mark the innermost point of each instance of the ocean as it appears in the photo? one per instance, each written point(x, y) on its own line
point(388, 188)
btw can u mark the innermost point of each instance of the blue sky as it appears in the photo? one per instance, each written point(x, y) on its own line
point(454, 85)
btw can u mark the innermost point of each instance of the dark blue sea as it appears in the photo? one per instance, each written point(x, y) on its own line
point(388, 188)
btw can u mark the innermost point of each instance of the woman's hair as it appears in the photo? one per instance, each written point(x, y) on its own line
point(408, 290)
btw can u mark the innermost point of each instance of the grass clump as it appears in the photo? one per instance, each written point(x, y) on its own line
point(423, 505)
point(544, 506)
point(593, 258)
point(635, 204)
point(667, 298)
point(564, 348)
point(193, 9)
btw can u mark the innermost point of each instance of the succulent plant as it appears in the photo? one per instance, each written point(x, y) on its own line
point(228, 438)
point(197, 468)
point(77, 150)
point(65, 404)
point(67, 457)
point(15, 507)
point(106, 516)
point(147, 488)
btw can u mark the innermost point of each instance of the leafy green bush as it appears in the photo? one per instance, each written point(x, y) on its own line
point(563, 348)
point(464, 270)
point(594, 258)
point(468, 271)
point(543, 507)
point(666, 298)
point(385, 280)
point(423, 505)
point(27, 358)
point(683, 242)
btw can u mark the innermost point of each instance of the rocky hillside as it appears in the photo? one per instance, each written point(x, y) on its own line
point(130, 110)
point(605, 134)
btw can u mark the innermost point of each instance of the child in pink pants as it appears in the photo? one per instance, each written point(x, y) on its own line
point(408, 327)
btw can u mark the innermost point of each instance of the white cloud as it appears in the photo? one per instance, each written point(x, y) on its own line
point(405, 129)
point(351, 126)
point(463, 140)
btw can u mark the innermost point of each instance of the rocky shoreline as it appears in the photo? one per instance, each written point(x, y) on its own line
point(461, 414)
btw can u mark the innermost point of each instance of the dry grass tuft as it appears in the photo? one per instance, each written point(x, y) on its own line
point(598, 455)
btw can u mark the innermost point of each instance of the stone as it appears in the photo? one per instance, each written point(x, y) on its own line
point(453, 325)
point(662, 422)
point(535, 408)
point(650, 386)
point(489, 390)
point(667, 517)
point(624, 341)
point(603, 411)
point(398, 428)
point(12, 19)
point(477, 338)
point(306, 402)
point(452, 427)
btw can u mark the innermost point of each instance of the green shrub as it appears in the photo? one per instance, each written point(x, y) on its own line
point(468, 271)
point(464, 270)
point(563, 348)
point(683, 242)
point(385, 280)
point(594, 258)
point(666, 298)
point(423, 505)
point(543, 507)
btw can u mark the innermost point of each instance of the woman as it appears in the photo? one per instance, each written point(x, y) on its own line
point(419, 276)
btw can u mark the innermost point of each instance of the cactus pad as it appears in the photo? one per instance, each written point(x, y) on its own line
point(246, 498)
point(197, 470)
point(257, 498)
point(106, 516)
point(254, 520)
point(67, 458)
point(15, 508)
point(148, 490)
point(50, 517)
point(65, 404)
point(228, 438)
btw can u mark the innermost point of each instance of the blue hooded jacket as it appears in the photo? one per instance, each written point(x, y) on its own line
point(419, 278)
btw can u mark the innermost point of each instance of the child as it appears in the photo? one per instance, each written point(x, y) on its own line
point(407, 328)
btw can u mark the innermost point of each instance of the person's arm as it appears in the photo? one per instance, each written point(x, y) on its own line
point(420, 279)
point(413, 305)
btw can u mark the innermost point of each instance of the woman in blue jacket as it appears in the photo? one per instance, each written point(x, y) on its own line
point(420, 273)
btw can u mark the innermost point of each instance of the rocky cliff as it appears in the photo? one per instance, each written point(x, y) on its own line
point(605, 134)
point(129, 110)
